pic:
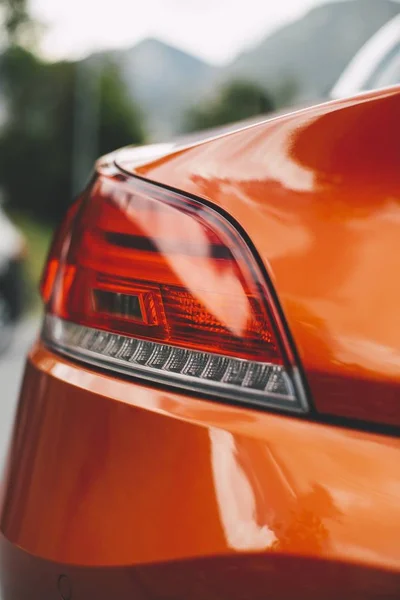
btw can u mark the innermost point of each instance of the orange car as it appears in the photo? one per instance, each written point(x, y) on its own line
point(213, 407)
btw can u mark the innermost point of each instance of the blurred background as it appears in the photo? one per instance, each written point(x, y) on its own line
point(79, 78)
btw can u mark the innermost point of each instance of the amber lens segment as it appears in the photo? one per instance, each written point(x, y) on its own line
point(123, 305)
point(140, 303)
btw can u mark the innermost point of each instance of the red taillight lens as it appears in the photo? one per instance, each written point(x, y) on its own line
point(154, 283)
point(58, 251)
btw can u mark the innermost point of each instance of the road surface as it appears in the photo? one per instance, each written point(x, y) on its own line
point(11, 369)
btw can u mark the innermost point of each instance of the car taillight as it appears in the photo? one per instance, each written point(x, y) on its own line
point(155, 284)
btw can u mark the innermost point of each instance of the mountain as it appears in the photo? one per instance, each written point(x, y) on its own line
point(310, 53)
point(298, 62)
point(164, 81)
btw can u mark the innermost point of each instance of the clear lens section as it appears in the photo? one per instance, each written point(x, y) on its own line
point(234, 378)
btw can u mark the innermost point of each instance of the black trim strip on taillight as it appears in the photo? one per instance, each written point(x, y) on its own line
point(137, 242)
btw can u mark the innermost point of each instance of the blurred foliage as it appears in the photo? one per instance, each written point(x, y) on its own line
point(121, 121)
point(37, 140)
point(236, 101)
point(14, 18)
point(37, 237)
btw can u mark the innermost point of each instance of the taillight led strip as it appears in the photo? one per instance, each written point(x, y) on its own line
point(261, 383)
point(151, 283)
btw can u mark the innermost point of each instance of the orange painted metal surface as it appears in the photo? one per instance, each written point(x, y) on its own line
point(318, 192)
point(107, 472)
point(131, 491)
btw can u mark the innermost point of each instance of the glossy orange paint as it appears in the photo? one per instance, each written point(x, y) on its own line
point(106, 472)
point(115, 489)
point(318, 192)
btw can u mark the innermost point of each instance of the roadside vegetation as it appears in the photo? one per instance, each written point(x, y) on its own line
point(37, 236)
point(235, 101)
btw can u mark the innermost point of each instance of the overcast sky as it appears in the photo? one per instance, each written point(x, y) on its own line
point(215, 30)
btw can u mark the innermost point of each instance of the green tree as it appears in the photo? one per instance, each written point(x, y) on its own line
point(37, 141)
point(236, 101)
point(120, 120)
